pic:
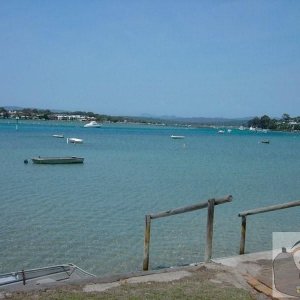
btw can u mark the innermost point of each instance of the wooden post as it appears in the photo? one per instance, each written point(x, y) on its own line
point(243, 235)
point(209, 229)
point(23, 277)
point(147, 242)
point(210, 204)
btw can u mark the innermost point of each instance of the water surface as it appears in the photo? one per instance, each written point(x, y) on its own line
point(93, 214)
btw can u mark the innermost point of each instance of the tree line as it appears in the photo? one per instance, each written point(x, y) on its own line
point(46, 114)
point(286, 122)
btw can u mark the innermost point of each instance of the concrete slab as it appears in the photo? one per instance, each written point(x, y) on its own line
point(159, 277)
point(99, 287)
point(258, 265)
point(277, 278)
point(162, 277)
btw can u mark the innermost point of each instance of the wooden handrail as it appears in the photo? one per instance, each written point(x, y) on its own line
point(210, 204)
point(269, 208)
point(260, 210)
point(189, 208)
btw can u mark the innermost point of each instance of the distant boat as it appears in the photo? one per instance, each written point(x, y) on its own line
point(40, 276)
point(177, 137)
point(92, 124)
point(265, 142)
point(221, 131)
point(58, 160)
point(74, 141)
point(58, 135)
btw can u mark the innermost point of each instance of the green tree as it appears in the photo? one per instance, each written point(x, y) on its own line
point(4, 112)
point(273, 124)
point(255, 122)
point(265, 122)
point(285, 117)
point(297, 127)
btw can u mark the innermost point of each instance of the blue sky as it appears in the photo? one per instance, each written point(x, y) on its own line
point(160, 57)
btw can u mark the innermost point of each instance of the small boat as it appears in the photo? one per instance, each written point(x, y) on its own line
point(265, 142)
point(37, 277)
point(58, 160)
point(58, 136)
point(74, 141)
point(177, 137)
point(92, 124)
point(221, 131)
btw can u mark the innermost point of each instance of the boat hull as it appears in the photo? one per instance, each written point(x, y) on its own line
point(74, 141)
point(58, 160)
point(37, 277)
point(177, 137)
point(92, 124)
point(58, 136)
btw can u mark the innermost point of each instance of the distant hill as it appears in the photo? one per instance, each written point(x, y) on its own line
point(13, 107)
point(171, 119)
point(200, 120)
point(21, 108)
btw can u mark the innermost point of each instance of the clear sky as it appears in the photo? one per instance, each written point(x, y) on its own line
point(186, 58)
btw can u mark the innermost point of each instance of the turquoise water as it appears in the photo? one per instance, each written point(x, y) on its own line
point(93, 214)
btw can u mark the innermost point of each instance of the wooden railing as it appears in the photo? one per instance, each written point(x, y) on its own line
point(255, 211)
point(210, 204)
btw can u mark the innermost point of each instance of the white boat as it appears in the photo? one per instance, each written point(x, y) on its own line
point(221, 131)
point(58, 160)
point(74, 141)
point(177, 136)
point(58, 135)
point(92, 124)
point(37, 277)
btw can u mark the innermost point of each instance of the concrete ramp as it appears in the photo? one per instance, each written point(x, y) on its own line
point(259, 270)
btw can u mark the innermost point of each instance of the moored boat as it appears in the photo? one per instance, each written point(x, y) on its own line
point(177, 137)
point(46, 275)
point(92, 124)
point(58, 136)
point(58, 160)
point(265, 142)
point(74, 141)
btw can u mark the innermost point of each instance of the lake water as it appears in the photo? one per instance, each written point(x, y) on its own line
point(92, 214)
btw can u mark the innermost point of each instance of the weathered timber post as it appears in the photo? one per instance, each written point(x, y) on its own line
point(147, 242)
point(243, 235)
point(210, 204)
point(23, 277)
point(209, 229)
point(260, 210)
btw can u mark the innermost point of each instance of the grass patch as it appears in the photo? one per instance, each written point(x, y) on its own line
point(198, 286)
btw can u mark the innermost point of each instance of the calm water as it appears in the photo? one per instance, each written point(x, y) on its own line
point(93, 214)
